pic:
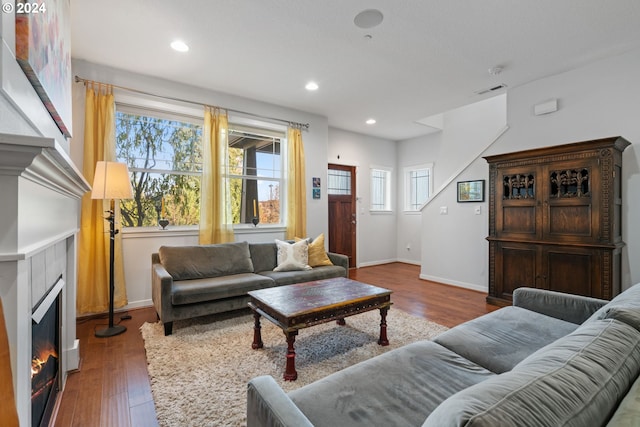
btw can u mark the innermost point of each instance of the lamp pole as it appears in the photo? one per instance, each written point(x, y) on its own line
point(112, 329)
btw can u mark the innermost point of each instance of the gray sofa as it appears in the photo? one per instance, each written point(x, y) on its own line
point(551, 359)
point(191, 281)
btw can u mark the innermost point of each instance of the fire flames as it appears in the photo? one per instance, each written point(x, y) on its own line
point(41, 358)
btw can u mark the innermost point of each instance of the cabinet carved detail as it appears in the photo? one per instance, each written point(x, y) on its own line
point(555, 219)
point(519, 186)
point(570, 183)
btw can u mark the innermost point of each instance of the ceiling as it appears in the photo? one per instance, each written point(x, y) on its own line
point(426, 57)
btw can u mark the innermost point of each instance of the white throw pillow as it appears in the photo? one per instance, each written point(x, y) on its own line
point(292, 256)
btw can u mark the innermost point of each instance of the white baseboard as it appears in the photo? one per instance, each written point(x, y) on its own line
point(372, 263)
point(459, 284)
point(73, 356)
point(388, 261)
point(409, 261)
point(137, 304)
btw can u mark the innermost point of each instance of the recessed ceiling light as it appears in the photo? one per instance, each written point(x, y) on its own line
point(311, 86)
point(180, 46)
point(371, 121)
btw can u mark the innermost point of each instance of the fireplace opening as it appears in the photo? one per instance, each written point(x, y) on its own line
point(45, 362)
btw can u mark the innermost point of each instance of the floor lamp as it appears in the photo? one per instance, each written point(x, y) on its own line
point(111, 182)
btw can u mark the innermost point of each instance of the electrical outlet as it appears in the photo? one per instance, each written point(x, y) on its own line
point(444, 210)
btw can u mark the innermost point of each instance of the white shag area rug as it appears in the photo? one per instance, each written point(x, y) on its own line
point(199, 374)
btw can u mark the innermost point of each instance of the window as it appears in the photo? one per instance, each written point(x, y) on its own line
point(418, 186)
point(164, 155)
point(255, 168)
point(339, 182)
point(380, 189)
point(165, 161)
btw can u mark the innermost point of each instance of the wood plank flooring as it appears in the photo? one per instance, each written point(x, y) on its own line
point(112, 388)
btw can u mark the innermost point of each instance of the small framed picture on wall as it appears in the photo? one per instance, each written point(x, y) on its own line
point(316, 187)
point(471, 191)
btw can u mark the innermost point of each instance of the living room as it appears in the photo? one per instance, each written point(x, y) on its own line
point(596, 98)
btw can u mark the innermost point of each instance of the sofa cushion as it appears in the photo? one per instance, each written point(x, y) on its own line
point(202, 261)
point(216, 288)
point(628, 412)
point(264, 256)
point(501, 339)
point(317, 254)
point(625, 307)
point(292, 256)
point(316, 273)
point(576, 381)
point(398, 388)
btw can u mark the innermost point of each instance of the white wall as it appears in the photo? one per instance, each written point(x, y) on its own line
point(137, 247)
point(454, 249)
point(376, 232)
point(596, 101)
point(412, 152)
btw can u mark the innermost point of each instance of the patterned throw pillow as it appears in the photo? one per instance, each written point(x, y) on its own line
point(317, 254)
point(292, 256)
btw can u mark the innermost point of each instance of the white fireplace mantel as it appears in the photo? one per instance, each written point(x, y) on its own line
point(43, 161)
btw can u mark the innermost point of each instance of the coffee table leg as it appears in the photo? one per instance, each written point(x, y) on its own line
point(257, 335)
point(383, 327)
point(290, 373)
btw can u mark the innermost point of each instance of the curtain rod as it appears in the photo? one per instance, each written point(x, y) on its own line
point(289, 123)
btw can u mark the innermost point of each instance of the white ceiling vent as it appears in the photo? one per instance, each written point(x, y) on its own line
point(491, 89)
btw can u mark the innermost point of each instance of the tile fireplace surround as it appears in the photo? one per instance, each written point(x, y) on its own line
point(40, 192)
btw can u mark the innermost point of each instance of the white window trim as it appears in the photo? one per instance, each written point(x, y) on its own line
point(407, 187)
point(389, 201)
point(142, 105)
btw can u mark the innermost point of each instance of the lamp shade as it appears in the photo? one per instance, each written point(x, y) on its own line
point(111, 181)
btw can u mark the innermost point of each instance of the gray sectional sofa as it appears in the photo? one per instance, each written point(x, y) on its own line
point(551, 359)
point(191, 281)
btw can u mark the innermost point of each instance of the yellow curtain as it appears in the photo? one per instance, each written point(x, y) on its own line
point(296, 190)
point(93, 239)
point(216, 222)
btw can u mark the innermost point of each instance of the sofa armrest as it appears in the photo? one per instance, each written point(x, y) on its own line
point(161, 282)
point(341, 260)
point(572, 308)
point(269, 406)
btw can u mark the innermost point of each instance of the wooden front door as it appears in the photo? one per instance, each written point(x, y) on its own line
point(341, 190)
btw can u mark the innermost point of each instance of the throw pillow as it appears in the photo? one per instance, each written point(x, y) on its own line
point(292, 256)
point(317, 254)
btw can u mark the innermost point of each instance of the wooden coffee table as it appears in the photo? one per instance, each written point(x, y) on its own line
point(298, 306)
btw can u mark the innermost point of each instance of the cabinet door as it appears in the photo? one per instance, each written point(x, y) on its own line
point(570, 191)
point(575, 270)
point(517, 213)
point(516, 265)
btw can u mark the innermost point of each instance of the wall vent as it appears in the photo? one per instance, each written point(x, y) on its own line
point(491, 89)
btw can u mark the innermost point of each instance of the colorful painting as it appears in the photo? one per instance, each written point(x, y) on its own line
point(43, 50)
point(471, 191)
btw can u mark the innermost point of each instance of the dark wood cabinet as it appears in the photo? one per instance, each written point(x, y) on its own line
point(555, 217)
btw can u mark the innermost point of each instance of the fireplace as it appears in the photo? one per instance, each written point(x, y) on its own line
point(45, 359)
point(41, 191)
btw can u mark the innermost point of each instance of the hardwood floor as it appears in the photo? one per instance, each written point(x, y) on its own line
point(112, 388)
